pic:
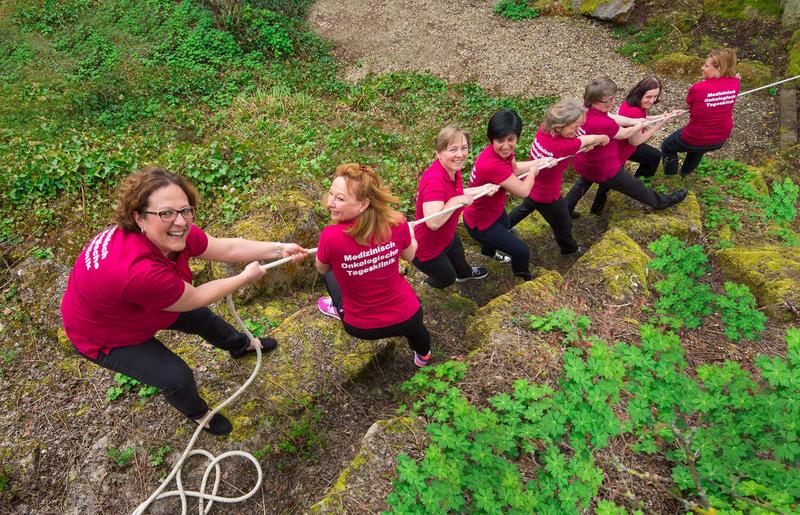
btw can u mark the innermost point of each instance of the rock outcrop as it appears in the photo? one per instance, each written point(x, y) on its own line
point(609, 10)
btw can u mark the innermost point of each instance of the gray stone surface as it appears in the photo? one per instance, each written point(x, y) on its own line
point(787, 106)
point(611, 10)
point(791, 14)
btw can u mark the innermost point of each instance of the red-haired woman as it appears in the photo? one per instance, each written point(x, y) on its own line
point(359, 257)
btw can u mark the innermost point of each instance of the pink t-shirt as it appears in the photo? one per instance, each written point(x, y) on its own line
point(624, 149)
point(436, 184)
point(710, 111)
point(547, 188)
point(601, 163)
point(489, 168)
point(120, 285)
point(374, 294)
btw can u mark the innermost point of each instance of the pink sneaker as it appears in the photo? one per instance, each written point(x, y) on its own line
point(325, 305)
point(421, 361)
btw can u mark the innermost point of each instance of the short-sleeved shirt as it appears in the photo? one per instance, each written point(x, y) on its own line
point(547, 188)
point(374, 294)
point(602, 162)
point(436, 185)
point(489, 168)
point(624, 149)
point(710, 111)
point(119, 287)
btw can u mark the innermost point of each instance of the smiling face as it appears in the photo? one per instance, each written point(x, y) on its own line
point(453, 157)
point(571, 130)
point(709, 70)
point(343, 205)
point(649, 98)
point(167, 236)
point(505, 146)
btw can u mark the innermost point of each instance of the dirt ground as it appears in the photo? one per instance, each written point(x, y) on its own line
point(461, 40)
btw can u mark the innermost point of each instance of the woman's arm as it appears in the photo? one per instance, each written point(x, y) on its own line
point(321, 267)
point(593, 140)
point(527, 166)
point(627, 132)
point(624, 121)
point(240, 250)
point(194, 297)
point(436, 206)
point(520, 188)
point(641, 137)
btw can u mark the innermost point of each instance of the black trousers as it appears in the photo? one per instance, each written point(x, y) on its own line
point(498, 236)
point(443, 270)
point(648, 158)
point(555, 213)
point(673, 144)
point(624, 183)
point(419, 339)
point(152, 363)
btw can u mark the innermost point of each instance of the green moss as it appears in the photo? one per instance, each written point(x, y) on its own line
point(754, 73)
point(615, 263)
point(679, 66)
point(793, 68)
point(533, 228)
point(772, 273)
point(490, 318)
point(768, 10)
point(682, 220)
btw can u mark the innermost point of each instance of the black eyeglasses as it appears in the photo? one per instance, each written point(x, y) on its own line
point(169, 215)
point(606, 102)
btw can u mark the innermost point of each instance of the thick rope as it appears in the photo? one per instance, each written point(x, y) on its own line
point(214, 461)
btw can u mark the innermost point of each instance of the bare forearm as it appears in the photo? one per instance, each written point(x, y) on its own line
point(240, 250)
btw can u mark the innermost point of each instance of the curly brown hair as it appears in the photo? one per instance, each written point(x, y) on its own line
point(134, 193)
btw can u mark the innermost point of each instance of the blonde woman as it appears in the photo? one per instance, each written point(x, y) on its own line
point(359, 257)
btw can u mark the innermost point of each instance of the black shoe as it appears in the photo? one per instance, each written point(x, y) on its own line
point(218, 425)
point(502, 258)
point(574, 215)
point(676, 197)
point(267, 345)
point(478, 272)
point(581, 250)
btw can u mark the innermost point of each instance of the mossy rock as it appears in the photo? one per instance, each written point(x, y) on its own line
point(679, 66)
point(294, 222)
point(533, 229)
point(754, 73)
point(644, 225)
point(314, 354)
point(771, 272)
point(616, 264)
point(762, 10)
point(489, 320)
point(551, 7)
point(41, 284)
point(372, 468)
point(793, 50)
point(610, 10)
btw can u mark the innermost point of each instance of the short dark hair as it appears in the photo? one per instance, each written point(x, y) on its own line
point(503, 123)
point(636, 93)
point(133, 194)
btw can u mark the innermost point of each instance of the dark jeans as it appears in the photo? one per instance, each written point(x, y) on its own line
point(555, 213)
point(498, 236)
point(648, 159)
point(673, 144)
point(413, 329)
point(152, 363)
point(444, 268)
point(624, 183)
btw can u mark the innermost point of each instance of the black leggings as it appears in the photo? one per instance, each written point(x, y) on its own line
point(648, 159)
point(443, 270)
point(674, 144)
point(413, 329)
point(498, 236)
point(555, 213)
point(152, 363)
point(624, 183)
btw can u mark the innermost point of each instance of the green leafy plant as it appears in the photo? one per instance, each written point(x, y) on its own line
point(781, 205)
point(739, 314)
point(572, 325)
point(157, 455)
point(125, 384)
point(515, 10)
point(119, 456)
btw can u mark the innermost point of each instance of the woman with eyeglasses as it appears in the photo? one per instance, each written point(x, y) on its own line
point(710, 103)
point(557, 138)
point(440, 254)
point(601, 164)
point(359, 258)
point(644, 95)
point(133, 279)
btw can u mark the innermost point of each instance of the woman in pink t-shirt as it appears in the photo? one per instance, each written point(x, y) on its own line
point(644, 95)
point(486, 219)
point(359, 257)
point(557, 138)
point(440, 254)
point(710, 103)
point(601, 165)
point(133, 280)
